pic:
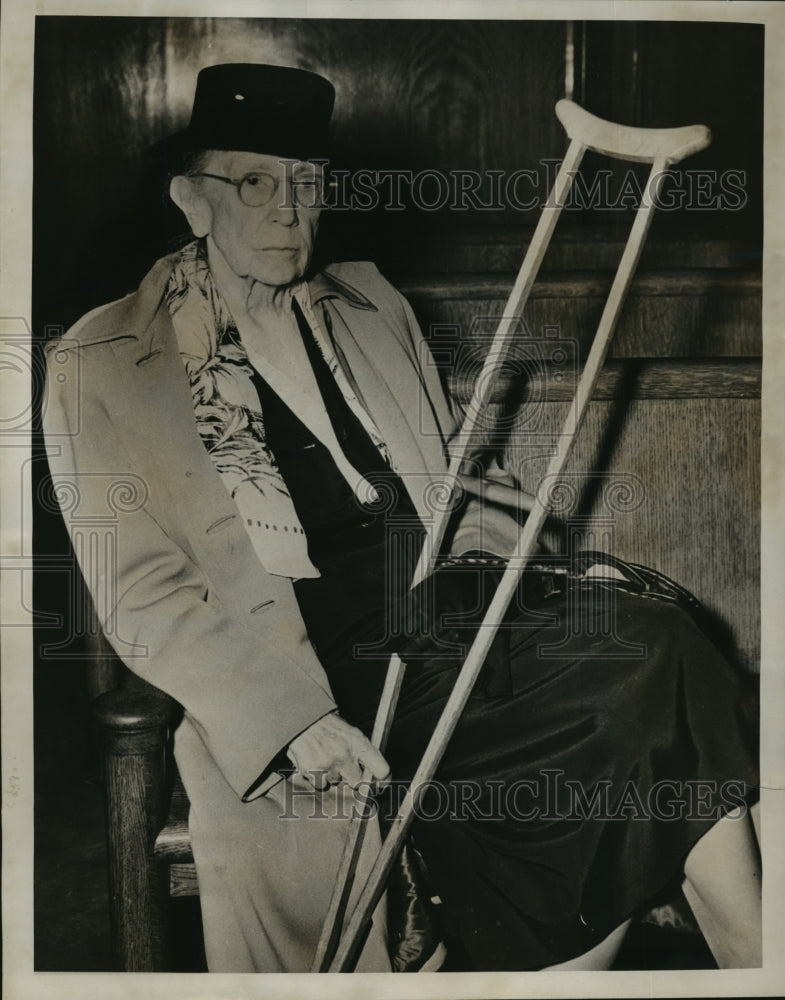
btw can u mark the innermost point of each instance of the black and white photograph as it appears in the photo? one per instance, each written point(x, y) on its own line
point(392, 556)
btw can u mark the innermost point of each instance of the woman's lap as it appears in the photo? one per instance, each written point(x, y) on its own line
point(593, 754)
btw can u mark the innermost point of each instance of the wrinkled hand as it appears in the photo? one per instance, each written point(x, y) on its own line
point(331, 750)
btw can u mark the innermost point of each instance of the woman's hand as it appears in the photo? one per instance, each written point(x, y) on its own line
point(331, 750)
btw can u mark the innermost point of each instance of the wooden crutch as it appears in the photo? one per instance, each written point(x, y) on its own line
point(661, 148)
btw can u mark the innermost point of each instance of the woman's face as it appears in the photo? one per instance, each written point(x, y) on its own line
point(270, 242)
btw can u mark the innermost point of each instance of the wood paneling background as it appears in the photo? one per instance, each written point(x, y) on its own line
point(691, 468)
point(411, 95)
point(472, 95)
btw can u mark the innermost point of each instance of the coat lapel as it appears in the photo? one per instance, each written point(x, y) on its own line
point(186, 489)
point(388, 384)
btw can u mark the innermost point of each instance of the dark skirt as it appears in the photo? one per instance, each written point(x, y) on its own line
point(606, 734)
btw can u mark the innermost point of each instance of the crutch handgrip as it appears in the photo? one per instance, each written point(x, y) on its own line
point(643, 145)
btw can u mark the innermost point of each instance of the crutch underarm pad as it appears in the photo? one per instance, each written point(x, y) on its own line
point(643, 145)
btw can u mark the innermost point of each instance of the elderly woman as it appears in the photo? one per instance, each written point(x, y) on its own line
point(288, 434)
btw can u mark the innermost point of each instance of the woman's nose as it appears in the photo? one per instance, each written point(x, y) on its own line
point(284, 209)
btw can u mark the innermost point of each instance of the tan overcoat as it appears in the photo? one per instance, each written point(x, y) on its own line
point(220, 633)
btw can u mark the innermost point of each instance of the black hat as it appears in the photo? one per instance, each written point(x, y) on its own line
point(255, 108)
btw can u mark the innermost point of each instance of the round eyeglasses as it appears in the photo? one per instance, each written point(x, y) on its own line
point(258, 188)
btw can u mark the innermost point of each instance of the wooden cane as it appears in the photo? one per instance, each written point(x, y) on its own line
point(344, 877)
point(660, 147)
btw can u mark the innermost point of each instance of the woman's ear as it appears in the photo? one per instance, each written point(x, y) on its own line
point(192, 204)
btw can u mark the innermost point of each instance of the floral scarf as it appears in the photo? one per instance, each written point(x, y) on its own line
point(228, 412)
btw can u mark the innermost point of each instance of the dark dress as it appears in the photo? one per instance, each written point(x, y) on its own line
point(588, 760)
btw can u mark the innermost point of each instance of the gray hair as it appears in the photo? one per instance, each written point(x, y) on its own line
point(191, 163)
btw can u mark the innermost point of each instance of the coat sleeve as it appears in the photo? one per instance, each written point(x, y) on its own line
point(247, 698)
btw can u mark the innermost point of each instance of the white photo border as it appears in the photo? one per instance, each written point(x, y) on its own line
point(20, 981)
